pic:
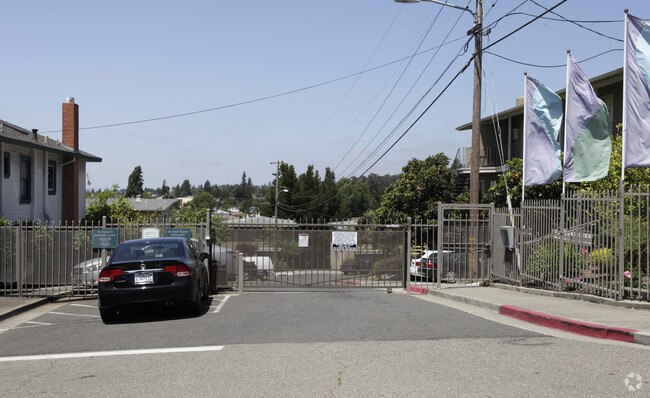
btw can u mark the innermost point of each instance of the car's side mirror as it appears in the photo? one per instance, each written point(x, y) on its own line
point(204, 255)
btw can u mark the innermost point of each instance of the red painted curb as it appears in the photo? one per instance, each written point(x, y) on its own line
point(568, 325)
point(347, 283)
point(419, 290)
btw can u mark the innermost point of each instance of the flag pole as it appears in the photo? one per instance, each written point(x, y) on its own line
point(566, 114)
point(625, 77)
point(523, 168)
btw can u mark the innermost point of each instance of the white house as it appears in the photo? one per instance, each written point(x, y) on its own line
point(42, 178)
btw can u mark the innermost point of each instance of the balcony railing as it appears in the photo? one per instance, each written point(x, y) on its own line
point(489, 158)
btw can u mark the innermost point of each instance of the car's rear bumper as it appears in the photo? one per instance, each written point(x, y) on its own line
point(110, 296)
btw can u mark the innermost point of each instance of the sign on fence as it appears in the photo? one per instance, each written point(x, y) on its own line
point(105, 238)
point(344, 241)
point(178, 233)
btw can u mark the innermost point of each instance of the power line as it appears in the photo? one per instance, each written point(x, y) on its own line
point(551, 66)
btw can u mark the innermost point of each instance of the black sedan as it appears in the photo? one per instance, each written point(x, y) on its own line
point(159, 270)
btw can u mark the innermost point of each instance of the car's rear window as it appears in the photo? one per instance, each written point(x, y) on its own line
point(146, 251)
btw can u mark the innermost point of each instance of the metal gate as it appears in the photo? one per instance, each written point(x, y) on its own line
point(464, 241)
point(290, 255)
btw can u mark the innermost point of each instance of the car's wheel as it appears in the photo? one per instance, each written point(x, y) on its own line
point(247, 275)
point(109, 315)
point(264, 275)
point(196, 304)
point(206, 290)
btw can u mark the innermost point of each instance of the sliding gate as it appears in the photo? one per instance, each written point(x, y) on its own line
point(290, 255)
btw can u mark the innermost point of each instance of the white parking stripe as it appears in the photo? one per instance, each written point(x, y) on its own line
point(218, 308)
point(83, 305)
point(63, 313)
point(111, 353)
point(39, 323)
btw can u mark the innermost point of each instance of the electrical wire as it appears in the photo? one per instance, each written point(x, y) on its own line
point(576, 23)
point(551, 66)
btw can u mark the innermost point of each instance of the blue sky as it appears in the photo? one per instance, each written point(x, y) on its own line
point(282, 77)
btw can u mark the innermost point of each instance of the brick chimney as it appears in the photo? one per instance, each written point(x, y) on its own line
point(70, 177)
point(71, 124)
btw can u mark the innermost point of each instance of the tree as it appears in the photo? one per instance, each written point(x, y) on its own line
point(203, 200)
point(185, 189)
point(134, 188)
point(164, 190)
point(355, 198)
point(417, 191)
point(328, 195)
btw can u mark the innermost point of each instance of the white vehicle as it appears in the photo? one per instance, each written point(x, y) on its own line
point(426, 266)
point(416, 264)
point(264, 265)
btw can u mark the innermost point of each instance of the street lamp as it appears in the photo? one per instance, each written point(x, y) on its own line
point(476, 113)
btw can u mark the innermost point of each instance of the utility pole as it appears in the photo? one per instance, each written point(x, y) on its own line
point(474, 171)
point(275, 219)
point(476, 113)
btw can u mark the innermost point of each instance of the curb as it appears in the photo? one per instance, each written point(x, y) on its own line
point(568, 325)
point(550, 321)
point(20, 309)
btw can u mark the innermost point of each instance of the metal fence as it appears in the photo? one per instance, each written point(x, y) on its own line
point(55, 259)
point(588, 242)
point(311, 255)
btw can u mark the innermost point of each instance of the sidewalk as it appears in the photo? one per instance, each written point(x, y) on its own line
point(598, 317)
point(12, 306)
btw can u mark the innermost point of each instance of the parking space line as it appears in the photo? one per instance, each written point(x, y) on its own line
point(218, 308)
point(111, 353)
point(83, 305)
point(40, 323)
point(64, 313)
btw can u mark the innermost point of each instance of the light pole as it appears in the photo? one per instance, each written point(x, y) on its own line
point(476, 112)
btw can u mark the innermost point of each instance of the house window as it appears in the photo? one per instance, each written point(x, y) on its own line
point(25, 179)
point(51, 177)
point(7, 165)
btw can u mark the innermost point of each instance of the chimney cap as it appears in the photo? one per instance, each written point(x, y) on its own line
point(70, 100)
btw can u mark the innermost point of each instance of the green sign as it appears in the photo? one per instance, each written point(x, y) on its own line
point(179, 233)
point(105, 238)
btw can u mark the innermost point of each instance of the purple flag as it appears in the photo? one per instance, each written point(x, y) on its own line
point(636, 113)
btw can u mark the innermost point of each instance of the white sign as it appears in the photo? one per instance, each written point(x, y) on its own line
point(148, 233)
point(303, 240)
point(344, 241)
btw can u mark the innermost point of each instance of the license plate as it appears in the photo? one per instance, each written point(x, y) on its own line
point(143, 277)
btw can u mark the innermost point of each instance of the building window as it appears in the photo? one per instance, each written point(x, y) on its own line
point(7, 165)
point(51, 177)
point(25, 179)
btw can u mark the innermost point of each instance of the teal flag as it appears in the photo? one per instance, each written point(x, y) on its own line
point(588, 143)
point(542, 153)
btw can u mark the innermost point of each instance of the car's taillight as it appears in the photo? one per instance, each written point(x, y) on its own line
point(108, 275)
point(430, 265)
point(179, 270)
point(417, 263)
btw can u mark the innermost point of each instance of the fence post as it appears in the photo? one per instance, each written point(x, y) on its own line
point(621, 235)
point(408, 256)
point(240, 273)
point(439, 245)
point(19, 257)
point(562, 231)
point(490, 231)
